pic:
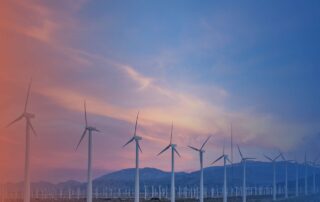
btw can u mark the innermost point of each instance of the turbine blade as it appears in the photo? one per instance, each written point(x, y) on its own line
point(282, 156)
point(128, 142)
point(165, 149)
point(218, 159)
point(82, 136)
point(135, 127)
point(205, 142)
point(277, 157)
point(16, 120)
point(194, 148)
point(139, 147)
point(240, 152)
point(33, 130)
point(228, 159)
point(171, 133)
point(177, 152)
point(28, 95)
point(85, 113)
point(268, 158)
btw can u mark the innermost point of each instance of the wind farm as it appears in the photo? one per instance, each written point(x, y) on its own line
point(169, 101)
point(183, 187)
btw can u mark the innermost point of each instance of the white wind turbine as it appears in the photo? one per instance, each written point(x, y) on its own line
point(173, 150)
point(28, 116)
point(201, 152)
point(136, 138)
point(305, 175)
point(244, 163)
point(286, 176)
point(274, 191)
point(314, 164)
point(297, 178)
point(88, 129)
point(225, 160)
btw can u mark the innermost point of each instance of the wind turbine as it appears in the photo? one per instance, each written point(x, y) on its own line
point(201, 151)
point(225, 159)
point(231, 155)
point(297, 178)
point(88, 130)
point(314, 164)
point(286, 176)
point(306, 175)
point(136, 138)
point(244, 162)
point(27, 116)
point(173, 150)
point(274, 192)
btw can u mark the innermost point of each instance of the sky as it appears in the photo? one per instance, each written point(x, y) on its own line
point(201, 65)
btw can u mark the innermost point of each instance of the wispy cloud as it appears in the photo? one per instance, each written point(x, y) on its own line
point(66, 72)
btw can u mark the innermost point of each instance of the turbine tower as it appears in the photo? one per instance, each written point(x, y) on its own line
point(225, 160)
point(136, 138)
point(305, 174)
point(244, 186)
point(27, 116)
point(297, 178)
point(273, 161)
point(314, 164)
point(173, 150)
point(201, 152)
point(88, 130)
point(286, 176)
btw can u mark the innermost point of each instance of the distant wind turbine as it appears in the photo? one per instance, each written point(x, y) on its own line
point(173, 150)
point(286, 176)
point(274, 192)
point(244, 162)
point(225, 160)
point(28, 116)
point(231, 154)
point(136, 138)
point(305, 174)
point(201, 152)
point(297, 178)
point(314, 164)
point(88, 130)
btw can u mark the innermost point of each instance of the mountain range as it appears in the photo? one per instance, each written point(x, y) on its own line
point(258, 174)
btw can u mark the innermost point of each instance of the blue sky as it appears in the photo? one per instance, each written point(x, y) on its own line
point(200, 64)
point(265, 54)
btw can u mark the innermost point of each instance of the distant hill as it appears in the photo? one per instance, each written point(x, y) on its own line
point(258, 174)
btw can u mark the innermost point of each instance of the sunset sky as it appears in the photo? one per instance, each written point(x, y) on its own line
point(201, 64)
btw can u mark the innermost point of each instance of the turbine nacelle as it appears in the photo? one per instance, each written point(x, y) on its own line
point(86, 128)
point(25, 114)
point(244, 159)
point(201, 150)
point(171, 145)
point(273, 160)
point(224, 157)
point(90, 128)
point(135, 137)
